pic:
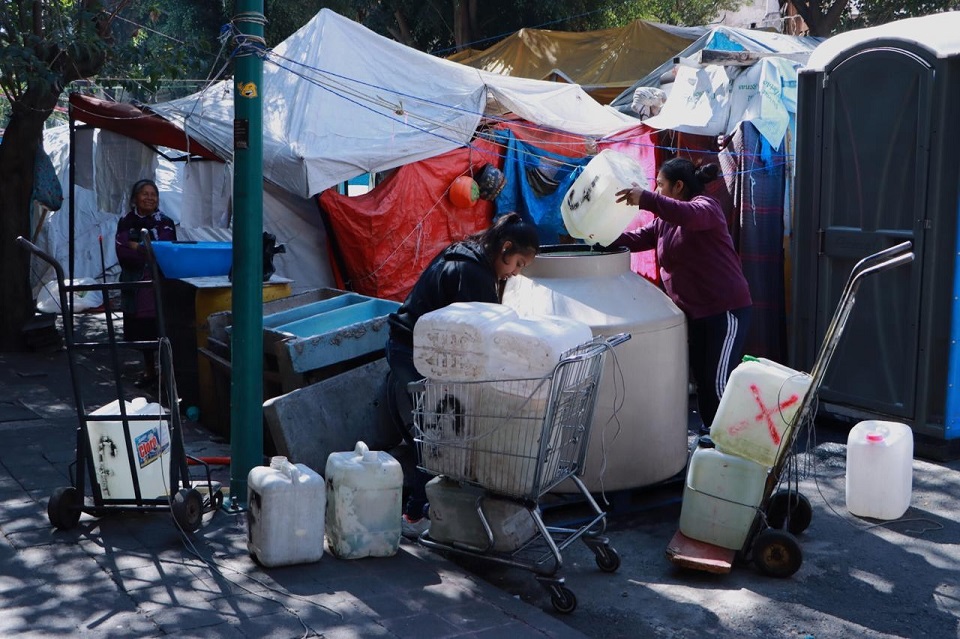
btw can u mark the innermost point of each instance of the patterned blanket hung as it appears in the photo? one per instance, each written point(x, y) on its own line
point(759, 235)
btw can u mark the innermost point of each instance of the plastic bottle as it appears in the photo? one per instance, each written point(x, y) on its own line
point(758, 410)
point(150, 446)
point(879, 480)
point(363, 503)
point(721, 496)
point(452, 343)
point(285, 515)
point(590, 209)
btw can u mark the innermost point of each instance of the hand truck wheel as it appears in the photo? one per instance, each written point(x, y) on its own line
point(63, 508)
point(791, 508)
point(777, 553)
point(187, 509)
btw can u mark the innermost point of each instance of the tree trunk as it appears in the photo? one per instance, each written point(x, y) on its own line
point(819, 23)
point(464, 23)
point(403, 34)
point(17, 155)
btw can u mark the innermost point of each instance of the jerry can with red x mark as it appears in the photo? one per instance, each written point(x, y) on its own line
point(757, 410)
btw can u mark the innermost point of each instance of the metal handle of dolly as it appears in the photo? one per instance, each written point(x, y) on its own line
point(61, 282)
point(878, 262)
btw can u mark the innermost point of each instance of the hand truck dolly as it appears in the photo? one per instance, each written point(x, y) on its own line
point(771, 542)
point(119, 447)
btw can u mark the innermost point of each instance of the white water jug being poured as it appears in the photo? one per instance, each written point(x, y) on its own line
point(590, 209)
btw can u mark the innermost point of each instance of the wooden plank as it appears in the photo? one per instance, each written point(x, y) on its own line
point(744, 58)
point(699, 555)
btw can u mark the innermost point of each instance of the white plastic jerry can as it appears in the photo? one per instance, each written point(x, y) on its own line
point(758, 409)
point(721, 496)
point(286, 504)
point(363, 503)
point(879, 469)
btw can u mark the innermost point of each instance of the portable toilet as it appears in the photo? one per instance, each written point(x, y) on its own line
point(876, 165)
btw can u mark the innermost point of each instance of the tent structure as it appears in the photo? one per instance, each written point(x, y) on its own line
point(721, 39)
point(340, 101)
point(741, 114)
point(332, 111)
point(112, 146)
point(604, 62)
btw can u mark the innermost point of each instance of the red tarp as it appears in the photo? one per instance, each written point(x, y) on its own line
point(135, 123)
point(386, 238)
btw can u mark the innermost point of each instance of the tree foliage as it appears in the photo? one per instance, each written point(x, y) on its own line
point(447, 25)
point(870, 13)
point(44, 45)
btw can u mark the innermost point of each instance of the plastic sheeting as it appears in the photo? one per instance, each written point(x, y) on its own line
point(385, 238)
point(294, 220)
point(340, 100)
point(726, 39)
point(537, 181)
point(592, 59)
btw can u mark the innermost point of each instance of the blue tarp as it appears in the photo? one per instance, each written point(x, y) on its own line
point(527, 192)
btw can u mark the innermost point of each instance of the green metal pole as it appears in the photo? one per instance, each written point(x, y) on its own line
point(246, 386)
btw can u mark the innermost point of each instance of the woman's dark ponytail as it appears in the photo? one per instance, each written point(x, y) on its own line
point(707, 173)
point(693, 177)
point(510, 227)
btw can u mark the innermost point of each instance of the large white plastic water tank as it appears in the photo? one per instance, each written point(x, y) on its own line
point(639, 432)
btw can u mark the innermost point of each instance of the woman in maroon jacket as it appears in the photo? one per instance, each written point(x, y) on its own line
point(139, 306)
point(700, 270)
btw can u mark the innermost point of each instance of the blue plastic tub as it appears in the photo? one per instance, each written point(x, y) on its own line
point(193, 259)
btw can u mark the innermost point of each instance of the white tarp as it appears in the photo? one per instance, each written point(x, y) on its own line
point(196, 195)
point(699, 102)
point(340, 100)
point(705, 101)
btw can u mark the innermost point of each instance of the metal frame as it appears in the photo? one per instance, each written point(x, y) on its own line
point(66, 504)
point(553, 424)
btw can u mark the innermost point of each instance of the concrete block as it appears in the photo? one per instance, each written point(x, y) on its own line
point(332, 415)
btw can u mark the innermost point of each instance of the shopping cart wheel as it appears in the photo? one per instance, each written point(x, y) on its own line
point(608, 559)
point(217, 500)
point(188, 508)
point(790, 507)
point(63, 508)
point(563, 600)
point(777, 553)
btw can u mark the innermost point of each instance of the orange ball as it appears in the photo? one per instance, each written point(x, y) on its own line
point(464, 192)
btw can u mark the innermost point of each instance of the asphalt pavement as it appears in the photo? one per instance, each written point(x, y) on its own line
point(136, 575)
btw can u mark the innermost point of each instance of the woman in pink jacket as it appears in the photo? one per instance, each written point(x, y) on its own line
point(700, 270)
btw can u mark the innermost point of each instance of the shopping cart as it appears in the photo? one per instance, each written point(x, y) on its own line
point(516, 440)
point(784, 512)
point(129, 455)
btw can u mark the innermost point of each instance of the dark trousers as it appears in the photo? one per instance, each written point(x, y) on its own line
point(716, 347)
point(402, 372)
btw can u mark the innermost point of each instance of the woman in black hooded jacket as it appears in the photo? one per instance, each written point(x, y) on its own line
point(467, 271)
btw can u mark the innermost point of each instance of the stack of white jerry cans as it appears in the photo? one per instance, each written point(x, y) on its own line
point(727, 473)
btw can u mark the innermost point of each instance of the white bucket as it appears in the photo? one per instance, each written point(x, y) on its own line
point(757, 410)
point(150, 442)
point(454, 518)
point(879, 469)
point(453, 343)
point(286, 504)
point(590, 209)
point(721, 497)
point(363, 503)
